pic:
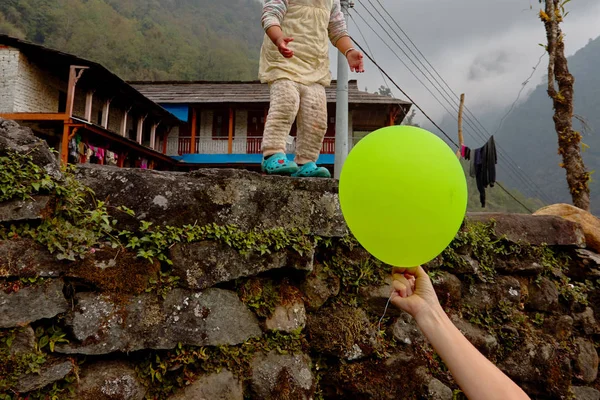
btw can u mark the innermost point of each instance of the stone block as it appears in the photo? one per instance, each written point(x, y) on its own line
point(32, 303)
point(209, 318)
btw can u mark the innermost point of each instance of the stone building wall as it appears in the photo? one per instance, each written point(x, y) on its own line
point(9, 71)
point(37, 90)
point(26, 87)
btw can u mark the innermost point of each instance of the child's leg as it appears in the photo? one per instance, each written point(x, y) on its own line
point(285, 100)
point(312, 126)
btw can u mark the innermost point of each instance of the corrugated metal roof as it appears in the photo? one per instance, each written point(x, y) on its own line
point(241, 92)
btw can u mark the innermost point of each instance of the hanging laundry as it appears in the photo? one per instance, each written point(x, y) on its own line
point(100, 153)
point(81, 151)
point(111, 158)
point(73, 156)
point(465, 152)
point(483, 167)
point(92, 155)
point(89, 153)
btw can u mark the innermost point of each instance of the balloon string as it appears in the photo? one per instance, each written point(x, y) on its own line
point(385, 311)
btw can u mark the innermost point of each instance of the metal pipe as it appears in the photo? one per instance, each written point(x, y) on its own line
point(341, 107)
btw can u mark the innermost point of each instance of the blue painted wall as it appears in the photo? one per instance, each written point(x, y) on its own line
point(181, 111)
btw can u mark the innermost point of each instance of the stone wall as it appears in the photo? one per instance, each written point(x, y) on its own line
point(25, 87)
point(37, 90)
point(226, 284)
point(9, 70)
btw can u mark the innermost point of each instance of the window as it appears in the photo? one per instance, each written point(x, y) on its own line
point(330, 126)
point(220, 129)
point(256, 123)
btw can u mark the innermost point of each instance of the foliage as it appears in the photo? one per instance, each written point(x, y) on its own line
point(146, 40)
point(71, 228)
point(20, 178)
point(358, 272)
point(152, 242)
point(165, 371)
point(575, 292)
point(49, 337)
point(497, 321)
point(484, 245)
point(260, 296)
point(13, 364)
point(163, 284)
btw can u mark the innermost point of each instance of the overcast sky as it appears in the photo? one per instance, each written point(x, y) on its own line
point(483, 48)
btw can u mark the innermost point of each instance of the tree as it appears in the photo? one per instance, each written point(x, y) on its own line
point(569, 140)
point(384, 91)
point(410, 119)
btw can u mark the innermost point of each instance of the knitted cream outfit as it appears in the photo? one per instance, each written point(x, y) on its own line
point(297, 84)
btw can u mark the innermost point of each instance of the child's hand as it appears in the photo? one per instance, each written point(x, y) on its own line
point(282, 43)
point(355, 61)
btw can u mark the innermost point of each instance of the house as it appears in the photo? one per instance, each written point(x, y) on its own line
point(88, 114)
point(81, 109)
point(226, 120)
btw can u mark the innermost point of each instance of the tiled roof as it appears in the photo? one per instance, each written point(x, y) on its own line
point(241, 92)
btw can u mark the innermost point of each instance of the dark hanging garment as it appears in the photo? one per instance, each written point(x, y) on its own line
point(490, 159)
point(483, 167)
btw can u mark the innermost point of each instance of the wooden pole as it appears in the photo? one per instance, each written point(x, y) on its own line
point(153, 135)
point(64, 148)
point(74, 75)
point(123, 130)
point(461, 140)
point(193, 143)
point(140, 129)
point(105, 111)
point(230, 144)
point(164, 144)
point(89, 100)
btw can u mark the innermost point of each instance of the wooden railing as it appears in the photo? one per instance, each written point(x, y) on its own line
point(241, 145)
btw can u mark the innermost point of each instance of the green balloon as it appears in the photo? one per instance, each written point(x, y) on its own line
point(403, 193)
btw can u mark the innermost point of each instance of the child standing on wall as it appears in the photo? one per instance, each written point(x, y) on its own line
point(294, 62)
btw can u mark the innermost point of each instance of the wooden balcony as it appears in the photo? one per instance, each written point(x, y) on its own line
point(244, 145)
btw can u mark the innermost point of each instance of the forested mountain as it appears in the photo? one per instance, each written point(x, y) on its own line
point(146, 39)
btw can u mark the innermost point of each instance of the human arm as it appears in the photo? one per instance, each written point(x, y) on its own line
point(478, 378)
point(354, 57)
point(272, 16)
point(338, 35)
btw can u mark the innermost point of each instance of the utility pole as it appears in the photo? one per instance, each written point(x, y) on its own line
point(461, 140)
point(341, 105)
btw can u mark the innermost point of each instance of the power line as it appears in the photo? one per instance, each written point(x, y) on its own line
point(510, 163)
point(369, 48)
point(434, 96)
point(430, 119)
point(468, 112)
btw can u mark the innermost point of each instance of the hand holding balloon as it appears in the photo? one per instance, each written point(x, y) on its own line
point(413, 292)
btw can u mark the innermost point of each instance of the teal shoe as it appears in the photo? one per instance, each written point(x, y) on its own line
point(311, 170)
point(278, 164)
